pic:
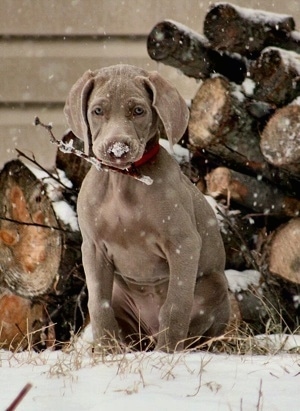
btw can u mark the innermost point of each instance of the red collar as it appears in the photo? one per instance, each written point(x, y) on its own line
point(147, 156)
point(132, 170)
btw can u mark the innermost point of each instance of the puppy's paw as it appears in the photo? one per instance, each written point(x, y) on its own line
point(170, 347)
point(107, 346)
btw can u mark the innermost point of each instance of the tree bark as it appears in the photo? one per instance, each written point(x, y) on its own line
point(276, 74)
point(247, 32)
point(176, 45)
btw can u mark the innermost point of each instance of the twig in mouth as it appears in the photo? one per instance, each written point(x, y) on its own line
point(69, 148)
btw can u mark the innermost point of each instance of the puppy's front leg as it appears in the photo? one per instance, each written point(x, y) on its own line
point(99, 273)
point(175, 314)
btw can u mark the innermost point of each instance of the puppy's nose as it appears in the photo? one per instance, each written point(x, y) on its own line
point(118, 149)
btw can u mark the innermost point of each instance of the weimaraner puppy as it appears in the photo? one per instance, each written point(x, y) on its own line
point(152, 254)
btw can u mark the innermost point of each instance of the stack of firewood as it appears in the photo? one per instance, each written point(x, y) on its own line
point(244, 132)
point(244, 136)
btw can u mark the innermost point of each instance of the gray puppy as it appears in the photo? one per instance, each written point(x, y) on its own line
point(152, 254)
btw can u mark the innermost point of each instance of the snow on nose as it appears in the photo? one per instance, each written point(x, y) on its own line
point(118, 149)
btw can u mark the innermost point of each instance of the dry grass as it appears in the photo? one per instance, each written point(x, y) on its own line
point(132, 368)
point(239, 340)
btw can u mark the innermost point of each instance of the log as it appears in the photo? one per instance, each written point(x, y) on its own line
point(280, 257)
point(246, 31)
point(222, 130)
point(176, 45)
point(40, 256)
point(260, 110)
point(283, 251)
point(280, 139)
point(246, 288)
point(275, 300)
point(30, 250)
point(220, 124)
point(292, 43)
point(251, 193)
point(276, 75)
point(21, 321)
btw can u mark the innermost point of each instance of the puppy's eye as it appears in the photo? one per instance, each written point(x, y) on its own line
point(98, 111)
point(138, 111)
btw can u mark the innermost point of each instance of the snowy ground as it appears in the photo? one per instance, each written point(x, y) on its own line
point(76, 380)
point(149, 381)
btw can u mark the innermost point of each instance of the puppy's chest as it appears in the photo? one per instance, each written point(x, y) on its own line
point(121, 221)
point(135, 218)
point(132, 242)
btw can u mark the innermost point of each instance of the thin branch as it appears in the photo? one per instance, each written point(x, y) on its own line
point(69, 148)
point(11, 220)
point(32, 160)
point(19, 397)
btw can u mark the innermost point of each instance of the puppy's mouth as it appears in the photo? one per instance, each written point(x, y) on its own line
point(120, 155)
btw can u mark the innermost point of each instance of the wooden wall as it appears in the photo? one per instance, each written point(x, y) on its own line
point(45, 45)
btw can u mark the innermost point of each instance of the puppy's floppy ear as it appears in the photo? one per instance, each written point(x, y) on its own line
point(169, 105)
point(75, 108)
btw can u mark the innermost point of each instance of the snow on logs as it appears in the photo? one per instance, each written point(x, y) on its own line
point(245, 31)
point(276, 76)
point(244, 134)
point(235, 115)
point(178, 46)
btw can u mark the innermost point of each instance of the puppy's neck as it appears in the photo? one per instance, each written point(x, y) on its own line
point(151, 151)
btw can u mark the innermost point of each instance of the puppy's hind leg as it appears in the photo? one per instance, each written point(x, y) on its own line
point(211, 309)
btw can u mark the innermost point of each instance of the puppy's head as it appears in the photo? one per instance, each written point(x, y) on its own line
point(118, 109)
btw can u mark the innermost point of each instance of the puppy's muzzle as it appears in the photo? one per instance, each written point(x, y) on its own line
point(118, 149)
point(118, 152)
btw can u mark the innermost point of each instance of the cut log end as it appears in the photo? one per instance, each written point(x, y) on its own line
point(280, 139)
point(284, 256)
point(29, 249)
point(276, 76)
point(210, 112)
point(174, 44)
point(21, 321)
